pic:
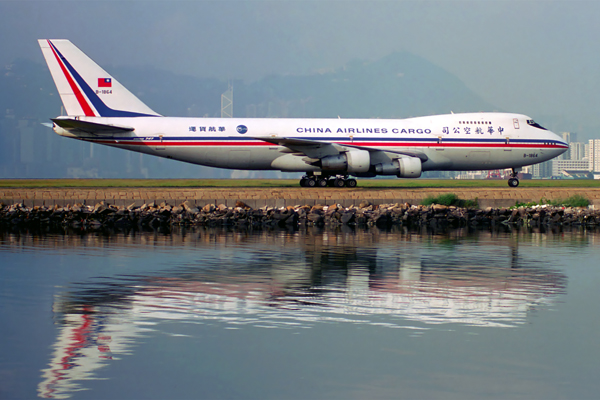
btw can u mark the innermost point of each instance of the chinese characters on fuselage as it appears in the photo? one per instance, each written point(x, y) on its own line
point(446, 130)
point(468, 130)
point(206, 129)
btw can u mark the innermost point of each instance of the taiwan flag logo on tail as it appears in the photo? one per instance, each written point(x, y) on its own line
point(104, 82)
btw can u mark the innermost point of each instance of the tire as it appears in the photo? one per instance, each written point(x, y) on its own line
point(339, 183)
point(321, 182)
point(303, 182)
point(310, 182)
point(351, 183)
point(513, 182)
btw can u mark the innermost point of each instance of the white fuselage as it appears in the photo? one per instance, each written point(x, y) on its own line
point(473, 141)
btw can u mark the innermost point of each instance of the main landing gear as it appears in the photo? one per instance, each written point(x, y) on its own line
point(513, 181)
point(323, 181)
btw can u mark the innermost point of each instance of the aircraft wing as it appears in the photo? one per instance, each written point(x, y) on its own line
point(94, 128)
point(310, 148)
point(317, 149)
point(409, 153)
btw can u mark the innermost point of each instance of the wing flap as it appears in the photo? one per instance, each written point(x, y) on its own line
point(317, 149)
point(409, 153)
point(310, 148)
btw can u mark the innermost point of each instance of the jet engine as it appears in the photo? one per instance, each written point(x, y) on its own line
point(405, 167)
point(354, 161)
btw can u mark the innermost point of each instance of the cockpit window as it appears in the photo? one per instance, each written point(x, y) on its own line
point(535, 124)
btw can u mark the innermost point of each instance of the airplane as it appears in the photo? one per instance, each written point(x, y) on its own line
point(329, 151)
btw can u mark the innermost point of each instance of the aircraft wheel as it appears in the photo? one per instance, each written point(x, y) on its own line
point(339, 183)
point(303, 182)
point(310, 182)
point(513, 182)
point(351, 183)
point(321, 182)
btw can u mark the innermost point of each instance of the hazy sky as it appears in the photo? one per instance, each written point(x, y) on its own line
point(536, 57)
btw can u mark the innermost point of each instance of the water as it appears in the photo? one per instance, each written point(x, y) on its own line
point(316, 314)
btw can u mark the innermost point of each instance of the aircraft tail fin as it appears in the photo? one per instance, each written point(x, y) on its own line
point(85, 88)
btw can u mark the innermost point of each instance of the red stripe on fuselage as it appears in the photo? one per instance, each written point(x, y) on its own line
point(365, 145)
point(454, 145)
point(181, 144)
point(87, 110)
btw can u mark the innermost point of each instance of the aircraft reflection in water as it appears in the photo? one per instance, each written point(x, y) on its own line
point(292, 281)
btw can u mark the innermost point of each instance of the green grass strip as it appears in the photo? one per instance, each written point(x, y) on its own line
point(282, 183)
point(448, 199)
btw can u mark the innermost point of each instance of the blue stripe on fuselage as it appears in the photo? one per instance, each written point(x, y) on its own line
point(346, 139)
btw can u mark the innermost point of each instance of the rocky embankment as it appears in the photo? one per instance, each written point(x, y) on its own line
point(152, 216)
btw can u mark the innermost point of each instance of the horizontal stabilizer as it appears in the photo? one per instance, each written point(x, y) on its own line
point(90, 127)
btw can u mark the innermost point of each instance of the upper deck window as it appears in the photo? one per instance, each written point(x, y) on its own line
point(475, 122)
point(535, 124)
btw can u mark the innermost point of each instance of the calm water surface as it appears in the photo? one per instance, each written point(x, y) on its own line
point(313, 314)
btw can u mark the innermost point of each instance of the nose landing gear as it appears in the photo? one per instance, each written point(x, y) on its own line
point(513, 181)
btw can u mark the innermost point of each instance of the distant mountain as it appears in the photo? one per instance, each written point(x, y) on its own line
point(27, 91)
point(172, 94)
point(397, 86)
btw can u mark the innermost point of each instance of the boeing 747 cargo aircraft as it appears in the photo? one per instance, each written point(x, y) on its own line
point(329, 151)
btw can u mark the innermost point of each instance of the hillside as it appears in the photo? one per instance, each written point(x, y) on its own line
point(397, 86)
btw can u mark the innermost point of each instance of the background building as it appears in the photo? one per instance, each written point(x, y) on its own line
point(594, 155)
point(559, 167)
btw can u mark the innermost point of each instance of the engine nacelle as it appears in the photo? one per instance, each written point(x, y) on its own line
point(358, 161)
point(354, 161)
point(410, 167)
point(334, 163)
point(388, 168)
point(405, 167)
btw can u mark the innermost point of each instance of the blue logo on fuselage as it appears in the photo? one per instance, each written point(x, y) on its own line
point(242, 129)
